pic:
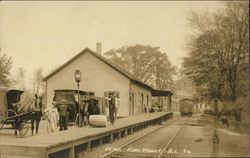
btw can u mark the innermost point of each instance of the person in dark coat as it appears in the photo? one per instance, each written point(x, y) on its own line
point(93, 109)
point(63, 115)
point(112, 109)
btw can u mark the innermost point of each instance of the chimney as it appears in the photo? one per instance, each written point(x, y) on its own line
point(99, 47)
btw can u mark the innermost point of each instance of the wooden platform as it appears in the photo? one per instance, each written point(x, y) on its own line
point(68, 143)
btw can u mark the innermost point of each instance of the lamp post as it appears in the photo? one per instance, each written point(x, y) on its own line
point(78, 80)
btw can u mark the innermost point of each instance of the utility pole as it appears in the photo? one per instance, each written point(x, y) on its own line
point(216, 139)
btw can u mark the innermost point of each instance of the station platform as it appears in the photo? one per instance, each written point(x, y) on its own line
point(66, 144)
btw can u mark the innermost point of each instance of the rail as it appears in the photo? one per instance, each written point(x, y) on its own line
point(171, 140)
point(110, 153)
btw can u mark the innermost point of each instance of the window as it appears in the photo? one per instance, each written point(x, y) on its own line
point(147, 101)
point(142, 98)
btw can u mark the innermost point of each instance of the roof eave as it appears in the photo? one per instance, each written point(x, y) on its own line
point(129, 76)
point(65, 64)
point(142, 84)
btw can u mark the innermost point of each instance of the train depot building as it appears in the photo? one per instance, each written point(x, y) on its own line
point(162, 99)
point(101, 76)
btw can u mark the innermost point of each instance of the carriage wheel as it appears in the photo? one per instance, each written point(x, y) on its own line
point(24, 127)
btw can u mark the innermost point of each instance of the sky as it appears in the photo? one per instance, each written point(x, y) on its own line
point(47, 34)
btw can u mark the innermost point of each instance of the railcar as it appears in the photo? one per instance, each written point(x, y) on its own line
point(186, 107)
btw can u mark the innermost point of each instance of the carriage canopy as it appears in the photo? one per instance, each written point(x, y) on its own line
point(69, 95)
point(8, 97)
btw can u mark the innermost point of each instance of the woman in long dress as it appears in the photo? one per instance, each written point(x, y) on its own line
point(53, 117)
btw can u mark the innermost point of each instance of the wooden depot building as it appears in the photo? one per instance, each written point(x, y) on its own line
point(101, 76)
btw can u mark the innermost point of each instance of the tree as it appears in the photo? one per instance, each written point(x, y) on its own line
point(19, 82)
point(38, 83)
point(20, 78)
point(145, 62)
point(165, 73)
point(200, 66)
point(5, 67)
point(218, 58)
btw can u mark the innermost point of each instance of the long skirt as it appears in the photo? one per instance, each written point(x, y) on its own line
point(51, 126)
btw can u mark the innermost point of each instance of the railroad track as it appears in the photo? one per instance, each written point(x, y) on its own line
point(134, 152)
point(164, 152)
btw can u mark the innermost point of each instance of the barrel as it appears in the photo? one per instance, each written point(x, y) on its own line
point(98, 120)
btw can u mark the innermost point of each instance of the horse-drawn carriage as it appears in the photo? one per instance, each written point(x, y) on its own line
point(89, 104)
point(10, 112)
point(70, 96)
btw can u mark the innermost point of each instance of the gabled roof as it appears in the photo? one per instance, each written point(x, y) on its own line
point(108, 62)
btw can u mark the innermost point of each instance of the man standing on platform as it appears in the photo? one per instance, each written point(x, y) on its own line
point(112, 109)
point(63, 115)
point(117, 103)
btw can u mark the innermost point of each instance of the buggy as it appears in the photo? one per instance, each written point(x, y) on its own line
point(11, 113)
point(70, 96)
point(85, 97)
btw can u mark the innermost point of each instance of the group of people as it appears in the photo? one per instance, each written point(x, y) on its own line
point(59, 113)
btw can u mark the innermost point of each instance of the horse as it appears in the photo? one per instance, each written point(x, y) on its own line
point(85, 113)
point(88, 108)
point(36, 114)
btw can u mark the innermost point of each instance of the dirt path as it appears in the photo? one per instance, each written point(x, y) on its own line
point(233, 144)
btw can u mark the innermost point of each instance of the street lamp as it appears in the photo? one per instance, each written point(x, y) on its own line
point(78, 76)
point(78, 80)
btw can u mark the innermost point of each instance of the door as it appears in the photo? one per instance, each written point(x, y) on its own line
point(142, 103)
point(147, 103)
point(133, 103)
point(107, 93)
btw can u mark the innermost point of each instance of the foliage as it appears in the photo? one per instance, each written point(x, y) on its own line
point(19, 81)
point(5, 66)
point(38, 85)
point(185, 87)
point(218, 59)
point(147, 63)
